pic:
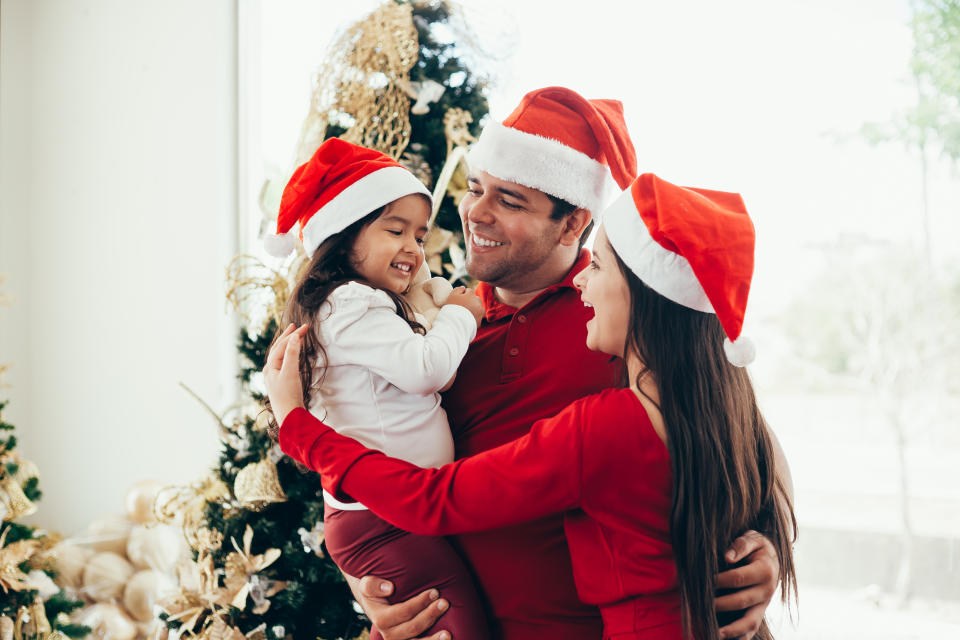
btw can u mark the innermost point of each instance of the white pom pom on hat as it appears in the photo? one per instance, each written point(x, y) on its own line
point(280, 245)
point(740, 352)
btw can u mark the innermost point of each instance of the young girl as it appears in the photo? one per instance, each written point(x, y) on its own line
point(370, 369)
point(655, 479)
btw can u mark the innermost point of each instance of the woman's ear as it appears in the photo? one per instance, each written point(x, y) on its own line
point(573, 226)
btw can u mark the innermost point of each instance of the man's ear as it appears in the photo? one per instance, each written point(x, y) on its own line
point(573, 226)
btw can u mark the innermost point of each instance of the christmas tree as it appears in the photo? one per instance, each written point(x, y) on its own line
point(32, 607)
point(397, 83)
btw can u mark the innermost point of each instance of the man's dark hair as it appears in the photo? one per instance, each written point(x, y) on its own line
point(561, 209)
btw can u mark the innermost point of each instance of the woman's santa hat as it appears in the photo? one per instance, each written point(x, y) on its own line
point(693, 246)
point(339, 185)
point(560, 143)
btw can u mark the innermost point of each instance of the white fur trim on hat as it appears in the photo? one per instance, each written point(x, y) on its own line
point(543, 164)
point(364, 196)
point(664, 271)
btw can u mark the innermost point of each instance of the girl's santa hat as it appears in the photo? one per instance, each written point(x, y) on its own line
point(693, 246)
point(560, 143)
point(339, 185)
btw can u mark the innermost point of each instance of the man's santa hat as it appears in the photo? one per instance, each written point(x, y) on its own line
point(693, 246)
point(560, 143)
point(339, 185)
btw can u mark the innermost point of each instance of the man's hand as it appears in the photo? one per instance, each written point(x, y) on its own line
point(752, 585)
point(401, 621)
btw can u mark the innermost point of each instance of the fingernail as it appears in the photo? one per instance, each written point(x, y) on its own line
point(731, 556)
point(385, 587)
point(442, 605)
point(443, 635)
point(434, 594)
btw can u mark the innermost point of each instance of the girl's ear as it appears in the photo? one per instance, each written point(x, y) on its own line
point(573, 226)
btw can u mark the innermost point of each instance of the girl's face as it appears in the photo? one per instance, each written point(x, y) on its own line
point(603, 287)
point(389, 251)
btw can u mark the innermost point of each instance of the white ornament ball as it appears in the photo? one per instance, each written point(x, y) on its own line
point(109, 533)
point(105, 576)
point(158, 547)
point(143, 591)
point(140, 499)
point(107, 621)
point(69, 561)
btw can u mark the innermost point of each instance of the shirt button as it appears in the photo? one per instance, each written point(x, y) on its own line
point(521, 318)
point(514, 351)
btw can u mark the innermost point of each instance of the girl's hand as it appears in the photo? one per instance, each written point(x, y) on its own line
point(281, 374)
point(467, 298)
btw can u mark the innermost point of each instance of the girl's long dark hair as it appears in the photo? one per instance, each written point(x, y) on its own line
point(721, 454)
point(332, 265)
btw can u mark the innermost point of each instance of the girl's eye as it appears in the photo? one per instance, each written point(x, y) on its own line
point(594, 265)
point(420, 241)
point(396, 233)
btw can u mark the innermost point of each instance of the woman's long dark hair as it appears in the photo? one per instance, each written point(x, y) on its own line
point(332, 265)
point(721, 454)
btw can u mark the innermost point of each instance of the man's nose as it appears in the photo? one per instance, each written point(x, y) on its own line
point(479, 211)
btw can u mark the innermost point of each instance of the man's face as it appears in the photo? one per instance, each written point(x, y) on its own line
point(508, 230)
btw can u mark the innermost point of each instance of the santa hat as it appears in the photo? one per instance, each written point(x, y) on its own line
point(560, 143)
point(693, 246)
point(339, 185)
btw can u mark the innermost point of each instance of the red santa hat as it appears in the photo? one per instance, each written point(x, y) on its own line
point(693, 246)
point(560, 143)
point(339, 185)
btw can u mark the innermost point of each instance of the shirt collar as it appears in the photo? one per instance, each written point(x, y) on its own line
point(493, 309)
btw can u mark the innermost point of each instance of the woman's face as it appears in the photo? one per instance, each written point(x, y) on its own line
point(389, 251)
point(603, 287)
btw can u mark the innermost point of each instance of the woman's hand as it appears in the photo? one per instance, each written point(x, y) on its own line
point(281, 374)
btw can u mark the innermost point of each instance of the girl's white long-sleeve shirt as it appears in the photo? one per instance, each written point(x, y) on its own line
point(382, 379)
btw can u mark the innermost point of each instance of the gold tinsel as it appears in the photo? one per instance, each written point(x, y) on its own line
point(188, 503)
point(456, 128)
point(258, 485)
point(253, 285)
point(32, 623)
point(360, 85)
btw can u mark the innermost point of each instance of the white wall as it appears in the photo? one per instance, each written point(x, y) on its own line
point(118, 205)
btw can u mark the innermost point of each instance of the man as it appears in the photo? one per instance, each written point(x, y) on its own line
point(535, 181)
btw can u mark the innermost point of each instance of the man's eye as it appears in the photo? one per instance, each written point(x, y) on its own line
point(474, 192)
point(510, 205)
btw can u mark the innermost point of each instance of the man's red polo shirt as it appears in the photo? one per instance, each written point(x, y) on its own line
point(526, 364)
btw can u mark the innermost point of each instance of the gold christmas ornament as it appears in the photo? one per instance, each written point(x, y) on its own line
point(6, 628)
point(140, 500)
point(360, 83)
point(68, 561)
point(105, 576)
point(13, 502)
point(241, 580)
point(456, 128)
point(11, 557)
point(107, 621)
point(143, 591)
point(31, 622)
point(257, 485)
point(155, 547)
point(185, 506)
point(108, 533)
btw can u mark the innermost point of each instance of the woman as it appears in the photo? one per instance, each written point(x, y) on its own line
point(655, 478)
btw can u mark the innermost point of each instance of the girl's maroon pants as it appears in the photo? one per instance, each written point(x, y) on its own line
point(364, 545)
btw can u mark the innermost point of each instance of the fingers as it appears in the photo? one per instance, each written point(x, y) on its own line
point(743, 599)
point(276, 354)
point(291, 355)
point(746, 626)
point(410, 618)
point(744, 546)
point(372, 587)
